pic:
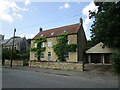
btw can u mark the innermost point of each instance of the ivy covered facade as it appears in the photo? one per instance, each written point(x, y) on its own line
point(73, 47)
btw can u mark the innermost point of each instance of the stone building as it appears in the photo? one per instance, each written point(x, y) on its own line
point(98, 54)
point(20, 44)
point(76, 35)
point(1, 37)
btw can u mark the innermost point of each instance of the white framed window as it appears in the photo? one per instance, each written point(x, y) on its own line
point(35, 44)
point(50, 44)
point(43, 44)
point(35, 55)
point(42, 35)
point(52, 33)
point(68, 42)
point(42, 55)
point(66, 55)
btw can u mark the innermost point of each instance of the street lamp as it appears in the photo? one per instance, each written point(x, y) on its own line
point(12, 47)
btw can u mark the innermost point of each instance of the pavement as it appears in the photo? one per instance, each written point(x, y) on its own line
point(28, 77)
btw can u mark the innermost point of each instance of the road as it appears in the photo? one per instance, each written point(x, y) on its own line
point(28, 79)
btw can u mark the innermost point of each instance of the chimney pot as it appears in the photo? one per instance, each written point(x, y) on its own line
point(40, 30)
point(81, 21)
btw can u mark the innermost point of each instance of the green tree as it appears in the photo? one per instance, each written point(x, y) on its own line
point(106, 26)
point(115, 60)
point(25, 56)
point(39, 49)
point(8, 54)
point(61, 48)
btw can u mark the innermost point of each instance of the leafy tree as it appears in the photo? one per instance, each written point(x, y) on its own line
point(39, 49)
point(115, 60)
point(61, 48)
point(106, 26)
point(9, 54)
point(90, 44)
point(25, 56)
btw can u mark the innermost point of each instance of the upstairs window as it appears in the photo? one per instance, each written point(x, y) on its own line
point(65, 31)
point(35, 44)
point(43, 44)
point(68, 42)
point(52, 33)
point(49, 44)
point(42, 35)
point(42, 55)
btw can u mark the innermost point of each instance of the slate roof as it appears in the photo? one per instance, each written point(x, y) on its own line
point(71, 29)
point(2, 42)
point(16, 41)
point(98, 48)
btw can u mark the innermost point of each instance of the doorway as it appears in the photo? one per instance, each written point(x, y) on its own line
point(49, 56)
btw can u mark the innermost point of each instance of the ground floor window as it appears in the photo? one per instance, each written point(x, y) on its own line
point(66, 55)
point(42, 55)
point(35, 55)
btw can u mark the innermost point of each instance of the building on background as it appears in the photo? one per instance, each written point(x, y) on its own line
point(1, 37)
point(20, 44)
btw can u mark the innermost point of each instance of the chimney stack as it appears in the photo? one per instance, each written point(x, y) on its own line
point(40, 30)
point(81, 21)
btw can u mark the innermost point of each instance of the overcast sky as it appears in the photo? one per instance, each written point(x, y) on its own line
point(28, 16)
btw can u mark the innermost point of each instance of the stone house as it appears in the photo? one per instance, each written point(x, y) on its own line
point(98, 54)
point(76, 35)
point(1, 37)
point(20, 44)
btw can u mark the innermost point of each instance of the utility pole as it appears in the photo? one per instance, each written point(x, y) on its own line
point(12, 47)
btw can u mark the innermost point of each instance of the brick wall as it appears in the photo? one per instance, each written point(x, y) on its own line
point(57, 65)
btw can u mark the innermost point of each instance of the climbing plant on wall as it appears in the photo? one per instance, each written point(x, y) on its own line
point(61, 48)
point(38, 49)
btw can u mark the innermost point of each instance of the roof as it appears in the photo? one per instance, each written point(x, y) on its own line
point(16, 41)
point(99, 49)
point(2, 42)
point(71, 29)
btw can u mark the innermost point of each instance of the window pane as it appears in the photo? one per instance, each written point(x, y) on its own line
point(43, 44)
point(35, 44)
point(66, 56)
point(50, 44)
point(68, 41)
point(42, 55)
point(35, 55)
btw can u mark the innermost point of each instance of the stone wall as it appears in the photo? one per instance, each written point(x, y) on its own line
point(58, 65)
point(14, 63)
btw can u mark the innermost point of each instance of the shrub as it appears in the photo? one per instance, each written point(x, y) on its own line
point(115, 61)
point(62, 47)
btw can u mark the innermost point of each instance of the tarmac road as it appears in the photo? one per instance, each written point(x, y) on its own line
point(12, 78)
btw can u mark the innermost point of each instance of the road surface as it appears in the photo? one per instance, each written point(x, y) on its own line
point(28, 79)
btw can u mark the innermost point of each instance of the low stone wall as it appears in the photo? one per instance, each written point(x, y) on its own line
point(57, 65)
point(14, 62)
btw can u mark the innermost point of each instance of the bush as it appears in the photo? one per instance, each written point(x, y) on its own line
point(115, 61)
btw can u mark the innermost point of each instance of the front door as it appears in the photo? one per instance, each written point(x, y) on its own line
point(49, 56)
